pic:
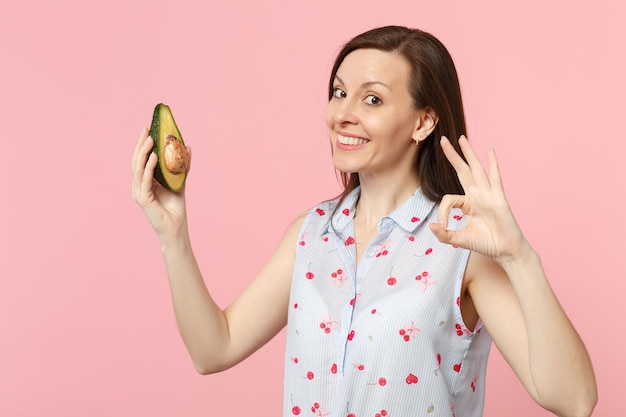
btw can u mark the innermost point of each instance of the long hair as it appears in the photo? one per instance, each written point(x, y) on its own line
point(434, 83)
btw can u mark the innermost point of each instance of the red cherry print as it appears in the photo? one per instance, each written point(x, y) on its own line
point(383, 413)
point(310, 375)
point(457, 367)
point(392, 281)
point(349, 241)
point(351, 415)
point(295, 360)
point(360, 367)
point(309, 275)
point(385, 252)
point(428, 251)
point(377, 415)
point(295, 410)
point(302, 243)
point(406, 337)
point(351, 335)
point(473, 383)
point(325, 238)
point(334, 275)
point(313, 409)
point(373, 311)
point(458, 301)
point(322, 325)
point(333, 369)
point(381, 381)
point(411, 379)
point(346, 212)
point(340, 271)
point(316, 405)
point(457, 217)
point(352, 301)
point(411, 238)
point(320, 211)
point(295, 305)
point(402, 332)
point(459, 333)
point(415, 219)
point(327, 330)
point(438, 359)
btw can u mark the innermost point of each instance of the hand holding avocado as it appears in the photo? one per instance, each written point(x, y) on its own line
point(160, 165)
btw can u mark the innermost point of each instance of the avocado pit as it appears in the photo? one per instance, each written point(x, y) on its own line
point(175, 155)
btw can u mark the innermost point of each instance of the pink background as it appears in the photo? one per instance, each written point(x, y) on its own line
point(85, 314)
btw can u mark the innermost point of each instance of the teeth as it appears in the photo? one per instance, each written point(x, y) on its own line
point(347, 140)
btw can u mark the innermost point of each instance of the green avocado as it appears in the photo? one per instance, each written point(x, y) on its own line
point(173, 164)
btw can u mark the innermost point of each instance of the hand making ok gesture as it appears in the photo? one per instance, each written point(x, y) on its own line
point(491, 227)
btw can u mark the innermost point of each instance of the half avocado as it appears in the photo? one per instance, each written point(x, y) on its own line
point(173, 165)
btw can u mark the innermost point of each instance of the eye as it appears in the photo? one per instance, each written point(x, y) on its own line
point(373, 100)
point(339, 93)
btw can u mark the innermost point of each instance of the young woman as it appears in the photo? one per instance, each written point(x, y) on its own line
point(392, 292)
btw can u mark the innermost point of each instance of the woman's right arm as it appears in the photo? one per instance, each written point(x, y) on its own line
point(216, 339)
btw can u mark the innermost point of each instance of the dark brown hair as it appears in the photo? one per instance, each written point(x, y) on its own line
point(434, 83)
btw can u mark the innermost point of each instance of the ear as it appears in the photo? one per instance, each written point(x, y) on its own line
point(425, 124)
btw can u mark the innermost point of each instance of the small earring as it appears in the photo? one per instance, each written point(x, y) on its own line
point(419, 137)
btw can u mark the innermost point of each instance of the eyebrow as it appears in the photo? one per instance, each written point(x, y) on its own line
point(365, 84)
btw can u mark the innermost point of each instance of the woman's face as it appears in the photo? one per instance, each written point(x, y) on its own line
point(371, 117)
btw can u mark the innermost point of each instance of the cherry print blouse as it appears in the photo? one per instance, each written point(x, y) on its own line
point(386, 339)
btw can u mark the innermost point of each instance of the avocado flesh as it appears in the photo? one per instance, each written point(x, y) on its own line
point(164, 126)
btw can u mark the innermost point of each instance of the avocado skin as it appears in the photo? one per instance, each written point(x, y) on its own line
point(163, 124)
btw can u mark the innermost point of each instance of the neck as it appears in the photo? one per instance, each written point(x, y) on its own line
point(381, 195)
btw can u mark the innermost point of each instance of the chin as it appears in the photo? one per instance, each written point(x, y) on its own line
point(349, 167)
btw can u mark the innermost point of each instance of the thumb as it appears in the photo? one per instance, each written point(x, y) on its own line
point(450, 237)
point(441, 233)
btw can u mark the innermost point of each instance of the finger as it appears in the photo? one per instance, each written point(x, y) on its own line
point(448, 202)
point(140, 161)
point(148, 174)
point(142, 138)
point(494, 171)
point(442, 234)
point(460, 166)
point(476, 167)
point(450, 237)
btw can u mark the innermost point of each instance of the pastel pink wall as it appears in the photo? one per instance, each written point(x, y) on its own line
point(85, 315)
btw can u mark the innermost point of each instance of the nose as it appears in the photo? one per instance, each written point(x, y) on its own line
point(343, 111)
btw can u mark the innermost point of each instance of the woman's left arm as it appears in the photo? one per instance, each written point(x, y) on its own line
point(509, 289)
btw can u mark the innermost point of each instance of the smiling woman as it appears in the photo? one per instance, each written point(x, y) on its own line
point(394, 291)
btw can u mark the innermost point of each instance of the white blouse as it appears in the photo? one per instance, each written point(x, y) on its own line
point(387, 339)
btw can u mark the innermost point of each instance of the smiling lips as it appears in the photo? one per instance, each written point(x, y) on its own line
point(351, 141)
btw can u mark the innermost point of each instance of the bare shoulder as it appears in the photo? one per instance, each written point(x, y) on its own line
point(482, 268)
point(488, 285)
